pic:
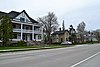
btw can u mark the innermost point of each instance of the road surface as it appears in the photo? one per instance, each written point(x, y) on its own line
point(78, 56)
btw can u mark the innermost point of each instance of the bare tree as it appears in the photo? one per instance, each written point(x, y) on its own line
point(81, 30)
point(50, 24)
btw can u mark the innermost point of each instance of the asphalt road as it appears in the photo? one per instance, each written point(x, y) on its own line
point(78, 56)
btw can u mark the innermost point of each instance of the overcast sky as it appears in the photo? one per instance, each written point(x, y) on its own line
point(71, 11)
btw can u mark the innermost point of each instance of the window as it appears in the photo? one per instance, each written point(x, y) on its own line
point(61, 39)
point(66, 39)
point(15, 36)
point(22, 19)
point(27, 28)
point(26, 20)
point(14, 26)
point(18, 36)
point(34, 36)
point(23, 14)
point(39, 36)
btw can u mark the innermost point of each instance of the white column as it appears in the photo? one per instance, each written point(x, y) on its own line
point(42, 32)
point(32, 32)
point(21, 31)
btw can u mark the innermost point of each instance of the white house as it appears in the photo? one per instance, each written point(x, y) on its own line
point(24, 27)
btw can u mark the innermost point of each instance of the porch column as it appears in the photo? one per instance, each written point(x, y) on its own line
point(42, 32)
point(21, 31)
point(32, 32)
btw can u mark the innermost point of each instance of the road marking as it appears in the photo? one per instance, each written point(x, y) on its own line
point(85, 60)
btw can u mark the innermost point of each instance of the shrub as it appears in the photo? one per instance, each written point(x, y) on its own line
point(21, 43)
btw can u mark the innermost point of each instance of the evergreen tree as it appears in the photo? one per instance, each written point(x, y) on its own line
point(5, 30)
point(72, 33)
point(63, 25)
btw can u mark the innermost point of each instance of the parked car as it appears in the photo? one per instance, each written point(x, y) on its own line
point(66, 43)
point(0, 41)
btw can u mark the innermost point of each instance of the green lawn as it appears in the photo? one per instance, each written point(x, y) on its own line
point(4, 48)
point(27, 48)
point(38, 47)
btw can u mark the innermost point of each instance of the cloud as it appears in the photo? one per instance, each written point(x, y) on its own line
point(72, 11)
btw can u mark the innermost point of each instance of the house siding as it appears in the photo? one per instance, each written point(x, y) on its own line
point(60, 37)
point(25, 30)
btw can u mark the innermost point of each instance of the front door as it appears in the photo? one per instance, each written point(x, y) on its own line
point(25, 37)
point(28, 37)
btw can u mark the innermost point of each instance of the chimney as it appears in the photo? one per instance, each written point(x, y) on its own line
point(59, 29)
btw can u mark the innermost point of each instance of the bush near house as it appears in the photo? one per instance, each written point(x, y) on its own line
point(59, 43)
point(21, 43)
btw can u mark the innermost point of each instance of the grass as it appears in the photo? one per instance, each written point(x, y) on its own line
point(4, 48)
point(41, 47)
point(95, 42)
point(27, 48)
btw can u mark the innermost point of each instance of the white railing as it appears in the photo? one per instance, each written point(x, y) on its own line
point(37, 31)
point(27, 31)
point(16, 30)
point(23, 30)
point(38, 39)
point(16, 39)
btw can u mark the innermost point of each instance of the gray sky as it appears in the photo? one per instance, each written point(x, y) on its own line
point(71, 11)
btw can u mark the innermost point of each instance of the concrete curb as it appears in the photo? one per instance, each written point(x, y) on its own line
point(8, 50)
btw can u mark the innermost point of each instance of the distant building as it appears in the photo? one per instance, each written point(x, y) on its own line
point(24, 27)
point(60, 36)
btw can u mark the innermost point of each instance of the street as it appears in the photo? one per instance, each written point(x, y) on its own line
point(76, 56)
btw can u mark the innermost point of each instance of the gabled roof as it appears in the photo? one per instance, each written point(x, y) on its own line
point(32, 20)
point(14, 14)
point(2, 13)
point(59, 32)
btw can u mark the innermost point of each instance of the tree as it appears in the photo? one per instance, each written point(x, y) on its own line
point(87, 35)
point(97, 34)
point(50, 24)
point(5, 29)
point(63, 25)
point(72, 33)
point(81, 29)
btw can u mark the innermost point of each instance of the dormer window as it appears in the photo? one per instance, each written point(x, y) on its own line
point(22, 19)
point(26, 20)
point(23, 15)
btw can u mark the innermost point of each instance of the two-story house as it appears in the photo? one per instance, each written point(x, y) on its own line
point(60, 36)
point(24, 27)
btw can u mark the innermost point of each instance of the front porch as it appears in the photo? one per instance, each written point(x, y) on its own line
point(26, 37)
